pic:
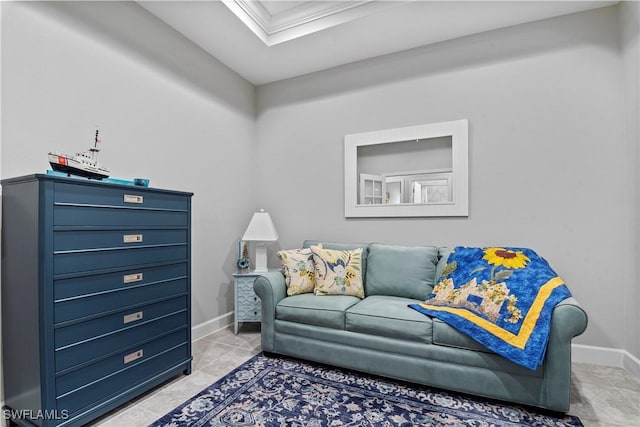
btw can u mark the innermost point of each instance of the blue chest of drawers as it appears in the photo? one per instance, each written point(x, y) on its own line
point(96, 295)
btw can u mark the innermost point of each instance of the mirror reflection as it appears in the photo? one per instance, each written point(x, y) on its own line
point(406, 172)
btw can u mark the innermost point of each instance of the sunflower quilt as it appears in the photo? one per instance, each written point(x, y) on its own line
point(501, 297)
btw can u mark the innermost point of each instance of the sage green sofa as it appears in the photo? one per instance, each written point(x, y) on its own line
point(381, 335)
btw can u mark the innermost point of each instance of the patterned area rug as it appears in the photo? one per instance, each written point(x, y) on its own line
point(284, 392)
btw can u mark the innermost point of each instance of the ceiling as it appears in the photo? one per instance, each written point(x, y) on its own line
point(266, 41)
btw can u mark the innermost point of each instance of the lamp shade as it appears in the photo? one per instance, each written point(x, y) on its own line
point(261, 228)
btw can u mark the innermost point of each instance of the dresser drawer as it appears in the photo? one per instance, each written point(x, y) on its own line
point(112, 343)
point(90, 305)
point(65, 262)
point(244, 285)
point(76, 215)
point(127, 358)
point(120, 382)
point(114, 239)
point(79, 332)
point(249, 313)
point(101, 283)
point(249, 301)
point(129, 196)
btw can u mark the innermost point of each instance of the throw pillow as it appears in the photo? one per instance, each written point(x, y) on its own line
point(344, 247)
point(338, 272)
point(298, 269)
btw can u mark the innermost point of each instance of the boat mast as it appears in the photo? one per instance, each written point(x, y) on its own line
point(95, 148)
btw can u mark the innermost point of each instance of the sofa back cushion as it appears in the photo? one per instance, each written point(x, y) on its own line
point(401, 271)
point(344, 247)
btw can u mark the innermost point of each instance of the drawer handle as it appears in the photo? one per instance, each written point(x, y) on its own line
point(132, 198)
point(132, 238)
point(130, 278)
point(133, 356)
point(133, 317)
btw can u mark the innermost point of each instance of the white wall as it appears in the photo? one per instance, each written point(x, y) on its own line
point(548, 157)
point(629, 15)
point(168, 111)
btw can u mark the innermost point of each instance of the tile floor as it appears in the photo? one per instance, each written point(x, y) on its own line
point(601, 396)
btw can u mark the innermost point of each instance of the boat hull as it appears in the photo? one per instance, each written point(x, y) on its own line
point(70, 166)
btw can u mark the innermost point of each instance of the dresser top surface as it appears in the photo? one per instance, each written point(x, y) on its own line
point(85, 181)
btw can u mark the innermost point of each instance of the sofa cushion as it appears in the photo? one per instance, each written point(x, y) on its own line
point(344, 246)
point(338, 272)
point(446, 335)
point(389, 316)
point(401, 271)
point(299, 271)
point(327, 311)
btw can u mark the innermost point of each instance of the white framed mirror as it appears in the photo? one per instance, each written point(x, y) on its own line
point(415, 171)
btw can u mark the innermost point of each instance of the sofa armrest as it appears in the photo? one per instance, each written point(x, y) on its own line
point(567, 321)
point(271, 289)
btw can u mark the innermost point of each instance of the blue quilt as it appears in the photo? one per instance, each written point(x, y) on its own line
point(501, 297)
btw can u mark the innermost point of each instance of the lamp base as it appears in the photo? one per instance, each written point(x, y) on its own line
point(261, 258)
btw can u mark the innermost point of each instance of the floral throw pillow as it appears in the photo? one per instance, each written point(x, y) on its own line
point(338, 272)
point(297, 266)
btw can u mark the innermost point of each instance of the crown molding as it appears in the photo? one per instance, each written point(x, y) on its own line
point(299, 21)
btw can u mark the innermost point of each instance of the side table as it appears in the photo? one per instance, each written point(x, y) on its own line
point(247, 305)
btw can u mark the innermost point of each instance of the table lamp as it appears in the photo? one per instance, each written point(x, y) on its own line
point(261, 230)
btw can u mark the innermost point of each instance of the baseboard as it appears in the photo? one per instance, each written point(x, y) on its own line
point(631, 364)
point(211, 326)
point(615, 357)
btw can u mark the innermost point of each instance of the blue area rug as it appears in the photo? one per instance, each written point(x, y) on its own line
point(284, 392)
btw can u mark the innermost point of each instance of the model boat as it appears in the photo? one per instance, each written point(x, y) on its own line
point(82, 164)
